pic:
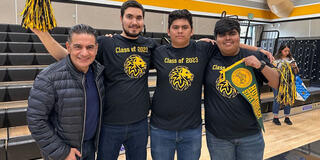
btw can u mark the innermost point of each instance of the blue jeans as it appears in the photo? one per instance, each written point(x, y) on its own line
point(246, 148)
point(134, 137)
point(164, 143)
point(276, 105)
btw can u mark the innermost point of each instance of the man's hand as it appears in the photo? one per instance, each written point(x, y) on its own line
point(293, 64)
point(108, 35)
point(252, 61)
point(268, 54)
point(208, 40)
point(73, 154)
point(38, 32)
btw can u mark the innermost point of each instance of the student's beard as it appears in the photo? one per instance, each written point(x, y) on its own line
point(130, 34)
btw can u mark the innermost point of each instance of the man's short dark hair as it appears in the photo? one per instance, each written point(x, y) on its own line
point(226, 25)
point(82, 29)
point(180, 14)
point(131, 3)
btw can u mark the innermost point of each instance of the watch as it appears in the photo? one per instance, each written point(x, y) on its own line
point(259, 49)
point(263, 64)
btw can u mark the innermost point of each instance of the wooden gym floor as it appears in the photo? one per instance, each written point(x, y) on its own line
point(279, 139)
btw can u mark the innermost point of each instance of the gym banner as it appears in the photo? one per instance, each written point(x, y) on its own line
point(244, 81)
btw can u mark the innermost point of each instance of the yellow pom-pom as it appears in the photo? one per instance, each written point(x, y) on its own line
point(287, 88)
point(38, 14)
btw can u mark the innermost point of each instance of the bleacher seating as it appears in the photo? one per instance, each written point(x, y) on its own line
point(3, 47)
point(17, 28)
point(3, 138)
point(3, 27)
point(3, 59)
point(19, 47)
point(3, 36)
point(18, 37)
point(20, 58)
point(44, 58)
point(2, 93)
point(3, 73)
point(60, 30)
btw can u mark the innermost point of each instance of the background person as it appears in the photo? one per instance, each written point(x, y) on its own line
point(283, 55)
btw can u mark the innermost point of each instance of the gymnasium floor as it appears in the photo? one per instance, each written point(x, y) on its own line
point(278, 139)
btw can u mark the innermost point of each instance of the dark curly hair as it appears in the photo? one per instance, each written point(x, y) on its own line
point(180, 14)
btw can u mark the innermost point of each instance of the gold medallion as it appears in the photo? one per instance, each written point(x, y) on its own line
point(241, 77)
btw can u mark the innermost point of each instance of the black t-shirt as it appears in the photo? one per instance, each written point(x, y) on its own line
point(227, 114)
point(176, 104)
point(126, 63)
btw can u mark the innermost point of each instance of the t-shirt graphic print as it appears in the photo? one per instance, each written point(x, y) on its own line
point(180, 78)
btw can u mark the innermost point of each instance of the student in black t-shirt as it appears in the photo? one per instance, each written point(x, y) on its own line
point(176, 105)
point(126, 58)
point(232, 130)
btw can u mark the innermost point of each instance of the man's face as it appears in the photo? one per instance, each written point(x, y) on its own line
point(83, 50)
point(229, 43)
point(180, 33)
point(132, 22)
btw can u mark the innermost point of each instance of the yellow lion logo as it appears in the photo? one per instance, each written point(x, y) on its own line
point(225, 88)
point(134, 66)
point(180, 78)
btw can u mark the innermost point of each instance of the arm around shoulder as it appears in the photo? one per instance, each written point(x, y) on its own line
point(253, 48)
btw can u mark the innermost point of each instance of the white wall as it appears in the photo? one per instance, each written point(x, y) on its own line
point(68, 14)
point(304, 28)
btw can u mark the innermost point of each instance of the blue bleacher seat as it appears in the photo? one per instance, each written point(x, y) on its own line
point(3, 36)
point(18, 37)
point(20, 58)
point(20, 47)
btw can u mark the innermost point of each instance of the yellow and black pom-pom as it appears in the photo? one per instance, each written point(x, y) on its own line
point(287, 88)
point(38, 14)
